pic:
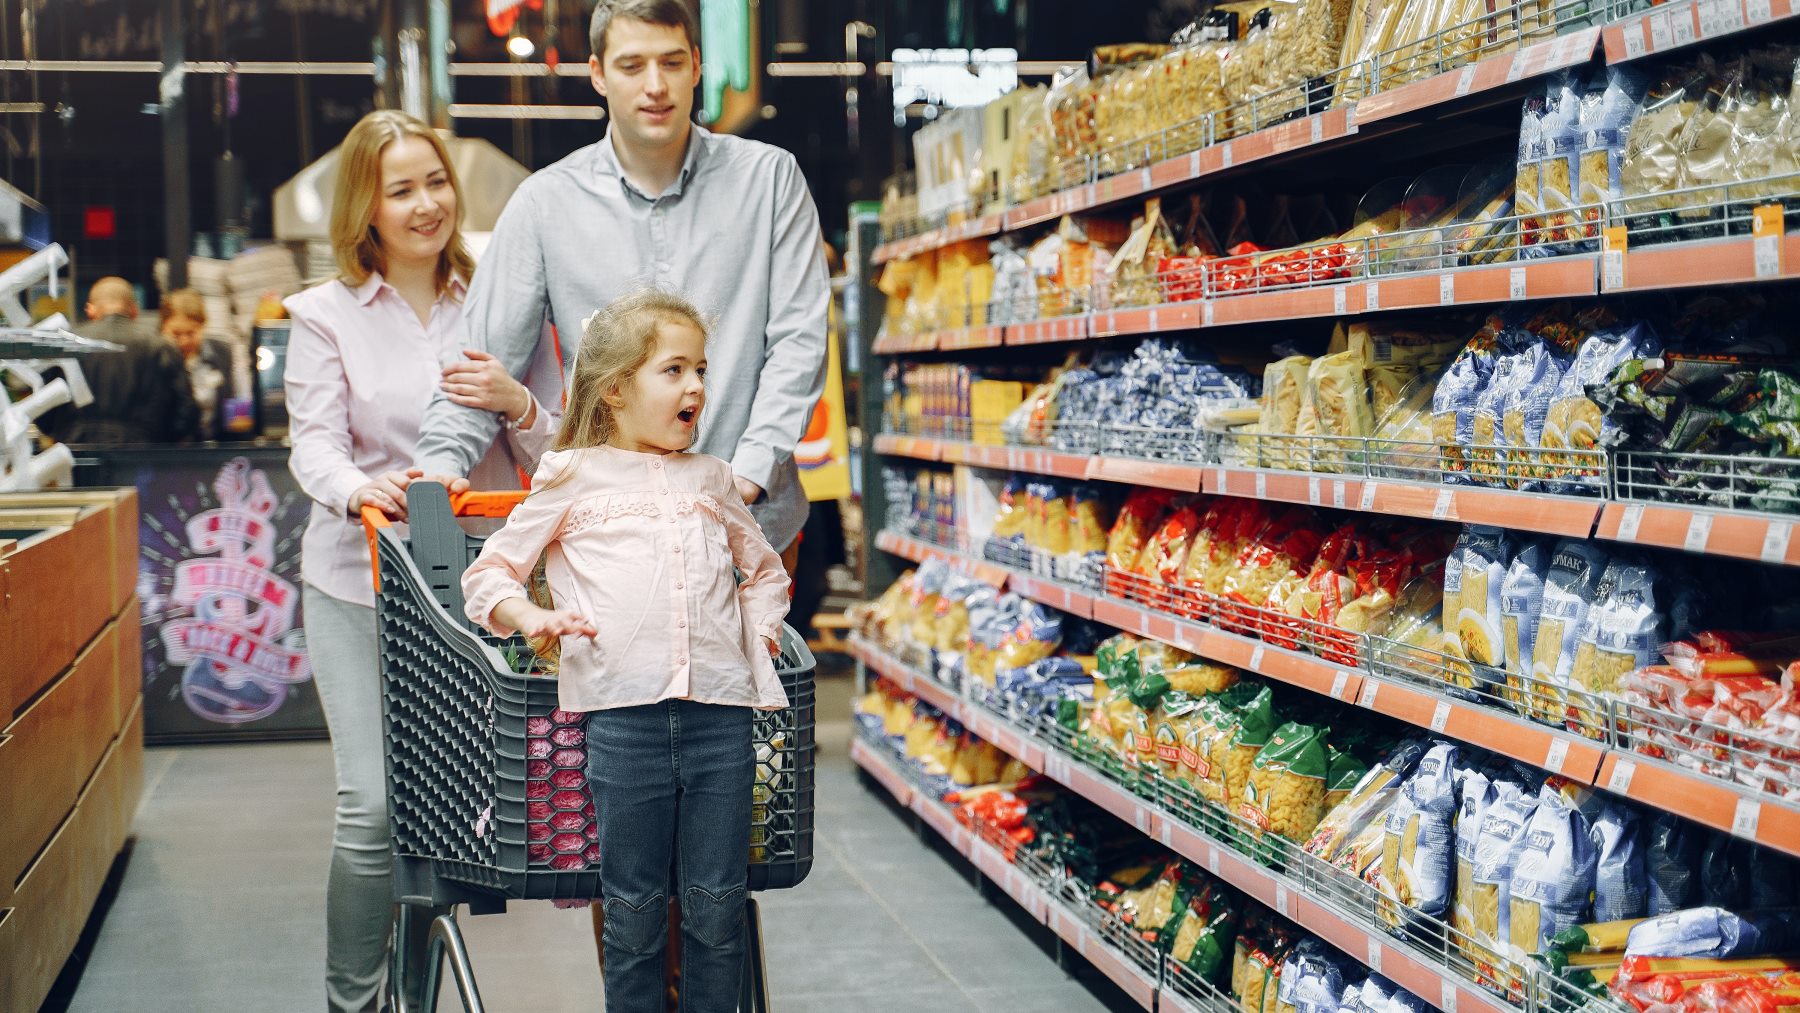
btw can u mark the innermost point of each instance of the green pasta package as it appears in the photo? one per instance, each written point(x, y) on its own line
point(1285, 792)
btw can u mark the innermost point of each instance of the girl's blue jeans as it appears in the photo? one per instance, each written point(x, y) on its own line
point(672, 784)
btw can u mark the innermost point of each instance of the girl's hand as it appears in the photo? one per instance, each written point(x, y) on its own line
point(478, 380)
point(560, 623)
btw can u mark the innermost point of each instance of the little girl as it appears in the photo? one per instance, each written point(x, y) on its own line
point(660, 645)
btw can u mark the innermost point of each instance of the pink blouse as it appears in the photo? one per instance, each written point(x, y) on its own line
point(361, 368)
point(643, 546)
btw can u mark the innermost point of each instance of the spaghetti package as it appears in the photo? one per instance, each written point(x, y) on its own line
point(1285, 792)
point(1621, 885)
point(1497, 849)
point(1552, 881)
point(1621, 634)
point(1475, 792)
point(1478, 623)
point(1574, 421)
point(1570, 587)
point(1521, 602)
point(1453, 406)
point(1419, 850)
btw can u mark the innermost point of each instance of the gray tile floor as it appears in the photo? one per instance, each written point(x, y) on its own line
point(222, 907)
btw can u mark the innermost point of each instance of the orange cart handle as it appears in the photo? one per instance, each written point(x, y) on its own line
point(463, 504)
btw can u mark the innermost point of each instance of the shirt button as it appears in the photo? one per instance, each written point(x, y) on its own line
point(677, 549)
point(655, 464)
point(682, 625)
point(681, 660)
point(678, 585)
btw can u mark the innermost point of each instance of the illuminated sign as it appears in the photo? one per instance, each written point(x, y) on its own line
point(727, 61)
point(953, 77)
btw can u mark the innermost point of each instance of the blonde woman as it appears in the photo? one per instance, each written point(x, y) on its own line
point(368, 351)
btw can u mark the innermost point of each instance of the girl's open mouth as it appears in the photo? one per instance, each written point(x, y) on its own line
point(687, 415)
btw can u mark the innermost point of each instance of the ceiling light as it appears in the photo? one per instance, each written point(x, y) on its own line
point(520, 46)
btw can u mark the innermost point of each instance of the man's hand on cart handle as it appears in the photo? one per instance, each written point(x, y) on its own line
point(395, 483)
point(387, 494)
point(533, 622)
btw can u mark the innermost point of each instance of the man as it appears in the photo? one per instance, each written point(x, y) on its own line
point(660, 202)
point(141, 394)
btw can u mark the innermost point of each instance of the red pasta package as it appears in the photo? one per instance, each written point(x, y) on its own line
point(1137, 520)
point(1164, 555)
point(1228, 526)
point(1284, 550)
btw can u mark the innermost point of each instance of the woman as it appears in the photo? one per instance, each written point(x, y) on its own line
point(367, 352)
point(184, 324)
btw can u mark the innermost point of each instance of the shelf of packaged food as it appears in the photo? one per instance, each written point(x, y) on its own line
point(1570, 516)
point(1739, 534)
point(1700, 262)
point(968, 338)
point(1684, 23)
point(903, 344)
point(1703, 799)
point(919, 551)
point(911, 246)
point(1287, 897)
point(1068, 925)
point(919, 448)
point(1541, 57)
point(1074, 327)
point(1032, 460)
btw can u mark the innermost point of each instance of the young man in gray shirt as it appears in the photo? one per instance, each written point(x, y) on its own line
point(662, 203)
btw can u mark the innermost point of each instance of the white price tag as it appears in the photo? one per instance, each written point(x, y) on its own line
point(1368, 694)
point(1338, 684)
point(1516, 69)
point(1727, 17)
point(1256, 658)
point(1699, 530)
point(1682, 21)
point(1775, 541)
point(1153, 326)
point(1556, 756)
point(1212, 860)
point(1745, 819)
point(1225, 155)
point(1262, 486)
point(1219, 480)
point(1337, 494)
point(1441, 509)
point(1375, 955)
point(1140, 818)
point(1634, 41)
point(1612, 269)
point(1619, 781)
point(1757, 12)
point(1662, 35)
point(1446, 289)
point(1194, 164)
point(1368, 496)
point(1465, 80)
point(1144, 178)
point(1283, 903)
point(1629, 521)
point(1515, 280)
point(1206, 313)
point(1312, 490)
point(1440, 716)
point(1447, 997)
point(1372, 296)
point(1340, 300)
point(1317, 128)
point(1766, 253)
point(1166, 834)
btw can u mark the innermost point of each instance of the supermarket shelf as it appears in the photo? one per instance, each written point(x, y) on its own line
point(1287, 897)
point(971, 337)
point(974, 228)
point(1053, 329)
point(920, 448)
point(1741, 535)
point(1069, 925)
point(1702, 799)
point(919, 551)
point(901, 344)
point(1675, 25)
point(1702, 262)
point(1571, 516)
point(1485, 75)
point(1051, 206)
point(1036, 461)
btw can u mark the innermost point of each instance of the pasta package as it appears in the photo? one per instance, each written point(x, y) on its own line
point(1478, 624)
point(1285, 792)
point(1453, 596)
point(1203, 941)
point(1621, 634)
point(1574, 421)
point(1475, 792)
point(1621, 886)
point(1284, 388)
point(1521, 602)
point(1553, 880)
point(1337, 395)
point(1497, 850)
point(1137, 520)
point(1570, 587)
point(1246, 722)
point(1090, 522)
point(1418, 852)
point(1174, 719)
point(1453, 406)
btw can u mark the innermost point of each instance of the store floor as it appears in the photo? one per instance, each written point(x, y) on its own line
point(221, 907)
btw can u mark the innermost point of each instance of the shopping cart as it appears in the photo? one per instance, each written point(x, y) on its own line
point(464, 719)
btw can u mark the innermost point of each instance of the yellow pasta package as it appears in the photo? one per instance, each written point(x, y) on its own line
point(1285, 792)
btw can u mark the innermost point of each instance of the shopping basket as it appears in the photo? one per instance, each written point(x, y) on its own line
point(465, 723)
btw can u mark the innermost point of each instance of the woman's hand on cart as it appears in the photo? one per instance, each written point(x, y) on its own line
point(533, 622)
point(386, 494)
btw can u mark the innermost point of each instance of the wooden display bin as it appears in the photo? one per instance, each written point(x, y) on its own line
point(71, 721)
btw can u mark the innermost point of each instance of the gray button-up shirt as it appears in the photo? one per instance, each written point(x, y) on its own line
point(737, 234)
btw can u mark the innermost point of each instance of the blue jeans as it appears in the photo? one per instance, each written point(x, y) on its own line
point(672, 784)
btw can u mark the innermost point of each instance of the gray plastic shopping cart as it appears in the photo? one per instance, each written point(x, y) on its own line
point(487, 800)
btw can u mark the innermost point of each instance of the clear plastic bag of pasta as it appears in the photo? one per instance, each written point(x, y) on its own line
point(1621, 635)
point(1479, 620)
point(1136, 522)
point(1246, 722)
point(1552, 880)
point(1037, 636)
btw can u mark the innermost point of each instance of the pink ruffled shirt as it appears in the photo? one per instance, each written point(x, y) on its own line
point(643, 546)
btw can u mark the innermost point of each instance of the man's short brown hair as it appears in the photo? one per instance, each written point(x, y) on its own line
point(670, 13)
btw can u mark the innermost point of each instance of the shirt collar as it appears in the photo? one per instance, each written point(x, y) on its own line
point(699, 138)
point(372, 286)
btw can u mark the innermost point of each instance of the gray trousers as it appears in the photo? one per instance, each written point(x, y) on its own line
point(340, 637)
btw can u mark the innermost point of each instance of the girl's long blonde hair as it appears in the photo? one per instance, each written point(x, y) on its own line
point(354, 243)
point(616, 342)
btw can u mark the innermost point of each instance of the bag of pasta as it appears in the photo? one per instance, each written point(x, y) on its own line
point(1091, 520)
point(1337, 395)
point(1521, 602)
point(1477, 794)
point(1344, 771)
point(1164, 556)
point(1621, 884)
point(1198, 676)
point(1497, 849)
point(1284, 388)
point(1037, 636)
point(927, 591)
point(1571, 586)
point(1284, 549)
point(1225, 528)
point(1131, 530)
point(1419, 850)
point(1453, 409)
point(1574, 422)
point(1368, 802)
point(950, 620)
point(1196, 743)
point(1172, 722)
point(1478, 624)
point(1246, 722)
point(1285, 792)
point(1552, 881)
point(1204, 939)
point(1056, 537)
point(1621, 635)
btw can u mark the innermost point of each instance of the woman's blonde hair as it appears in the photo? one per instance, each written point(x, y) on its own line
point(616, 342)
point(184, 302)
point(353, 238)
